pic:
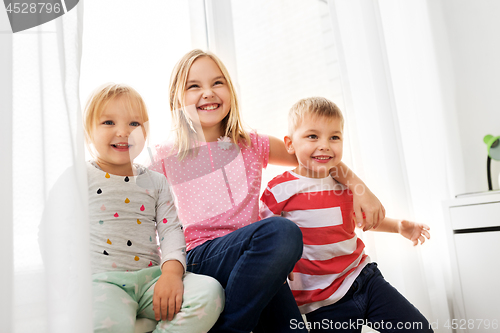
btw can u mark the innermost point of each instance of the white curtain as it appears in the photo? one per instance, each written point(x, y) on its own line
point(48, 268)
point(403, 129)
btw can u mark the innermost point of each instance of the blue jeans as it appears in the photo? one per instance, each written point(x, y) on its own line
point(371, 300)
point(252, 264)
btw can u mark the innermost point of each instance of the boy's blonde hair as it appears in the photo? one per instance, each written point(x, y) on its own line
point(185, 134)
point(315, 107)
point(100, 98)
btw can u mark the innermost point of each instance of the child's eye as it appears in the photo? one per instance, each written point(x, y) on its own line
point(193, 86)
point(108, 122)
point(218, 83)
point(135, 123)
point(335, 137)
point(312, 136)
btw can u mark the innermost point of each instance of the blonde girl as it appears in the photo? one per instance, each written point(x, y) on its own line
point(130, 207)
point(215, 168)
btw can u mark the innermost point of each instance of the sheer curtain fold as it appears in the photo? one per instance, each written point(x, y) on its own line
point(6, 229)
point(402, 127)
point(51, 274)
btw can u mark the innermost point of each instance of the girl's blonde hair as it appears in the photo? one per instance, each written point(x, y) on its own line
point(100, 98)
point(185, 133)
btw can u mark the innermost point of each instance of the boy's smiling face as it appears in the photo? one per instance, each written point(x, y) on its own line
point(317, 143)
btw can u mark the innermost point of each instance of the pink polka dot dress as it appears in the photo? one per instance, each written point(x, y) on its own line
point(216, 191)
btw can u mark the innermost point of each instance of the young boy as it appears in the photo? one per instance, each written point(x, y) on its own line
point(334, 283)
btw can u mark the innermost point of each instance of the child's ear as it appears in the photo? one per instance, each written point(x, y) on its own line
point(288, 145)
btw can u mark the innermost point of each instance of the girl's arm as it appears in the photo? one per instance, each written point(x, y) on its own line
point(167, 296)
point(410, 230)
point(365, 202)
point(278, 154)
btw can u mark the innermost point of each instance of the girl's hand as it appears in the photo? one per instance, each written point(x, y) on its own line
point(414, 231)
point(167, 296)
point(368, 210)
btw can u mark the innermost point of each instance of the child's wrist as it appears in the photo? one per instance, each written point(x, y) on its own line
point(172, 267)
point(399, 227)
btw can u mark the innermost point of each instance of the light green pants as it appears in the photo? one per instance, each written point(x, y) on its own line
point(121, 297)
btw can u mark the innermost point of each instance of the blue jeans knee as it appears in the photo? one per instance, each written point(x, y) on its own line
point(286, 237)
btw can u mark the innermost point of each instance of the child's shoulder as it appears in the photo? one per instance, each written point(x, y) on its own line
point(256, 139)
point(286, 176)
point(162, 150)
point(258, 147)
point(259, 137)
point(156, 176)
point(93, 168)
point(292, 183)
point(153, 181)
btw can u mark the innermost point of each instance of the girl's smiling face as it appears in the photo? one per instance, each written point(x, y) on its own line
point(118, 137)
point(208, 93)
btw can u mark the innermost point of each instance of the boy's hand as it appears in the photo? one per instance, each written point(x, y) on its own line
point(414, 231)
point(167, 296)
point(368, 210)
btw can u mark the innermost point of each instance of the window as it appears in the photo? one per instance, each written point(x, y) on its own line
point(284, 52)
point(137, 43)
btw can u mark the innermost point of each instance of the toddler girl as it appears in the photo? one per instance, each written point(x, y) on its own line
point(215, 168)
point(130, 207)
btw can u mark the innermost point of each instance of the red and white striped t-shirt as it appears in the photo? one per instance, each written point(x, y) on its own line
point(333, 255)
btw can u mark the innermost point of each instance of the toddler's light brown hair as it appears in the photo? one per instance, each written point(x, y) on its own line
point(315, 107)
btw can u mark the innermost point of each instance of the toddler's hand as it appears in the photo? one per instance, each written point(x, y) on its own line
point(167, 296)
point(414, 231)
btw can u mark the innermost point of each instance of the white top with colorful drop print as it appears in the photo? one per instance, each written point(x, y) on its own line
point(126, 215)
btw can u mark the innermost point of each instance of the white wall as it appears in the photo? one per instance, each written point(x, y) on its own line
point(472, 28)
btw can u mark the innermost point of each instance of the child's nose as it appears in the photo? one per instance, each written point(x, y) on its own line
point(123, 131)
point(324, 145)
point(207, 93)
